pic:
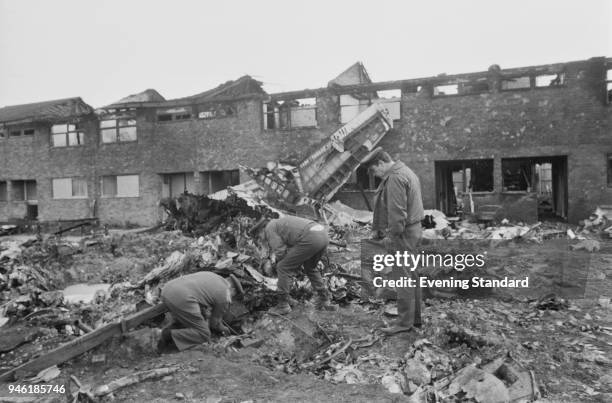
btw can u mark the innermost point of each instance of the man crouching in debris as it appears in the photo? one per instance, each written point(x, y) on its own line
point(396, 225)
point(296, 242)
point(197, 303)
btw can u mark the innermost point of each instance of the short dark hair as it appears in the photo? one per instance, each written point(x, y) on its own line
point(381, 156)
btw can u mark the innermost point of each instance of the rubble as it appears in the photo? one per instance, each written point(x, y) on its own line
point(461, 352)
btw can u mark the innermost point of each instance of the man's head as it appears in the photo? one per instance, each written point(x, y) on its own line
point(380, 163)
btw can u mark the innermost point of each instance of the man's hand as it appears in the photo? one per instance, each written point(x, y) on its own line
point(224, 330)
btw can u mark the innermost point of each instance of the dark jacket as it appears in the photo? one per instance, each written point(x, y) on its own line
point(398, 201)
point(285, 232)
point(208, 289)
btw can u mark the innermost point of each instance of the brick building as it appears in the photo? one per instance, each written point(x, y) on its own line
point(535, 140)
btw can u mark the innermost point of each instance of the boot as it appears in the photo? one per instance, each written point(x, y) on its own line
point(322, 303)
point(166, 343)
point(283, 307)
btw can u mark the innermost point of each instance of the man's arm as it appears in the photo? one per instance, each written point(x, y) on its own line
point(397, 200)
point(218, 310)
point(275, 242)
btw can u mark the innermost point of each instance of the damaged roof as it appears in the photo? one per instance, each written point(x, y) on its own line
point(149, 95)
point(47, 110)
point(355, 74)
point(244, 86)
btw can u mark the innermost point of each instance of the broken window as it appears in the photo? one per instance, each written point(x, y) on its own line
point(120, 186)
point(24, 190)
point(3, 191)
point(66, 135)
point(213, 181)
point(516, 83)
point(473, 176)
point(174, 114)
point(362, 178)
point(392, 100)
point(474, 87)
point(544, 182)
point(446, 89)
point(352, 105)
point(28, 132)
point(118, 130)
point(69, 188)
point(270, 115)
point(517, 175)
point(609, 86)
point(216, 111)
point(178, 183)
point(550, 80)
point(610, 170)
point(295, 113)
point(456, 179)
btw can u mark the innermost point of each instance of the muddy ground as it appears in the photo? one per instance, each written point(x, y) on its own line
point(568, 347)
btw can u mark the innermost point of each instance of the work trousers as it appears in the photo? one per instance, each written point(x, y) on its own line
point(408, 298)
point(307, 252)
point(190, 327)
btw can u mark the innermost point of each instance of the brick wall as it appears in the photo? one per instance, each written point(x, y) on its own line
point(571, 121)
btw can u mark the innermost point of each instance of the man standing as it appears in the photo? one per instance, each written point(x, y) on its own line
point(197, 303)
point(398, 211)
point(296, 241)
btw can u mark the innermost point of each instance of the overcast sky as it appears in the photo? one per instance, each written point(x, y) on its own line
point(105, 50)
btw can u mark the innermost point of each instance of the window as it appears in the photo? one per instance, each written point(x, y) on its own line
point(20, 132)
point(473, 176)
point(290, 114)
point(2, 133)
point(608, 86)
point(66, 135)
point(24, 190)
point(391, 99)
point(610, 170)
point(118, 130)
point(178, 183)
point(69, 188)
point(517, 175)
point(516, 83)
point(3, 191)
point(216, 111)
point(213, 181)
point(550, 80)
point(352, 105)
point(446, 89)
point(120, 186)
point(474, 87)
point(362, 179)
point(169, 115)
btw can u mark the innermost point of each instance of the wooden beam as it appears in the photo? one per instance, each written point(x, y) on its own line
point(84, 343)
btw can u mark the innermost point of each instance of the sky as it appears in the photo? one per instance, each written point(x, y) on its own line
point(105, 50)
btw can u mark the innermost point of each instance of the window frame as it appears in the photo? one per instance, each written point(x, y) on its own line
point(79, 134)
point(72, 188)
point(117, 129)
point(116, 194)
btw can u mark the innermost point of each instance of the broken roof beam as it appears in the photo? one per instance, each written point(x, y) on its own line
point(84, 343)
